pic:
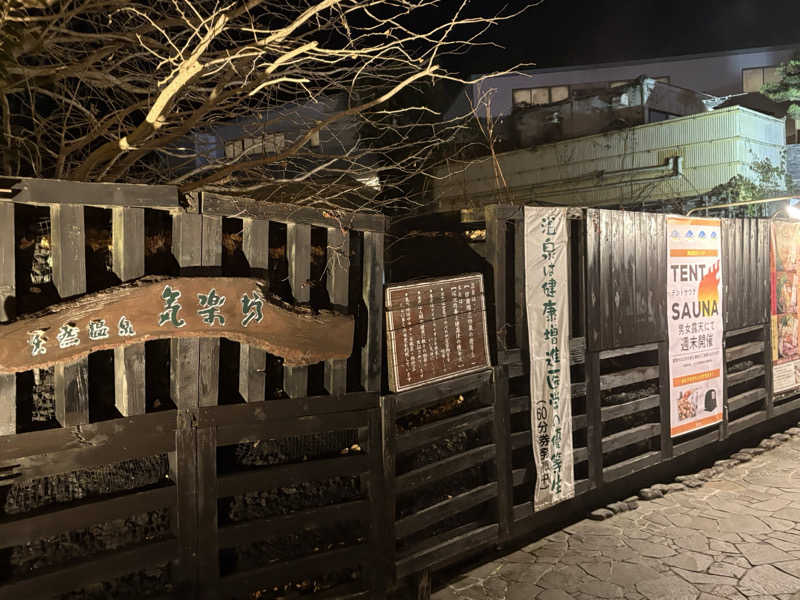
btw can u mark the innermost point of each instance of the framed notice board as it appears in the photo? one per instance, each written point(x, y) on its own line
point(436, 330)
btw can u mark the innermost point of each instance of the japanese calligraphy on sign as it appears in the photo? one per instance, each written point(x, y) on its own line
point(436, 330)
point(694, 298)
point(547, 304)
point(235, 308)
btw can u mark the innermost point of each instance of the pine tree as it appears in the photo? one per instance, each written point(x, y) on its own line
point(787, 87)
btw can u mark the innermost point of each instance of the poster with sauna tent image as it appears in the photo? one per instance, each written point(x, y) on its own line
point(785, 279)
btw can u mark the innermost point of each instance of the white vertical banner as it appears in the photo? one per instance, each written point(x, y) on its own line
point(547, 302)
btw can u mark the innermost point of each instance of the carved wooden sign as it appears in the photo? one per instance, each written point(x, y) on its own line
point(157, 308)
point(436, 330)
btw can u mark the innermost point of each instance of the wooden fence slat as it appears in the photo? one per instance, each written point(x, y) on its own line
point(8, 404)
point(338, 280)
point(211, 258)
point(664, 395)
point(641, 290)
point(593, 301)
point(520, 316)
point(627, 309)
point(67, 239)
point(8, 388)
point(388, 409)
point(253, 361)
point(69, 276)
point(605, 289)
point(127, 257)
point(432, 473)
point(298, 252)
point(372, 289)
point(187, 234)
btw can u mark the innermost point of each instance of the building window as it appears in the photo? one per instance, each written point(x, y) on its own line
point(270, 143)
point(539, 95)
point(615, 84)
point(754, 79)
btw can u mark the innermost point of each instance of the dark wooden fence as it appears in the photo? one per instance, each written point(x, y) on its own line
point(165, 467)
point(204, 468)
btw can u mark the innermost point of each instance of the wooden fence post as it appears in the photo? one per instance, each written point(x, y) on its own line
point(594, 424)
point(389, 454)
point(372, 353)
point(663, 385)
point(381, 525)
point(69, 276)
point(496, 255)
point(498, 392)
point(8, 383)
point(128, 263)
point(770, 400)
point(253, 361)
point(298, 250)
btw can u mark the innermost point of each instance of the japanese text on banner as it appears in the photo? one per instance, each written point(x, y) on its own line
point(547, 303)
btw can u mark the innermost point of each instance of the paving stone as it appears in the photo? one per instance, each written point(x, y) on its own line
point(667, 587)
point(761, 553)
point(792, 567)
point(646, 548)
point(741, 457)
point(789, 513)
point(650, 494)
point(521, 591)
point(628, 575)
point(600, 514)
point(721, 546)
point(691, 561)
point(766, 579)
point(554, 595)
point(601, 589)
point(726, 570)
point(704, 578)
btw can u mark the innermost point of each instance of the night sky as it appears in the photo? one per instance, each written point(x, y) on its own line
point(565, 32)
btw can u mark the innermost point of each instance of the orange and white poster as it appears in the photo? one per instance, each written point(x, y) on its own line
point(784, 269)
point(694, 313)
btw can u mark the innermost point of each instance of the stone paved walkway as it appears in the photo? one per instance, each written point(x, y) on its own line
point(736, 537)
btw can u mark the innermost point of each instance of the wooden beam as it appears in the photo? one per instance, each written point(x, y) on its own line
point(338, 269)
point(127, 256)
point(8, 383)
point(229, 206)
point(253, 361)
point(298, 251)
point(79, 193)
point(72, 392)
point(372, 290)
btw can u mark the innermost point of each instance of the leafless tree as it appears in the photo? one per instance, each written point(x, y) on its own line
point(139, 91)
